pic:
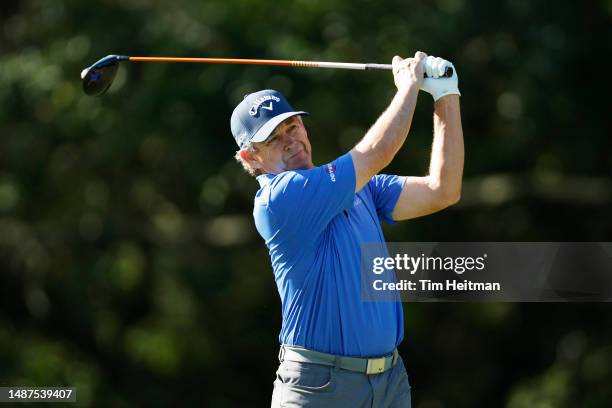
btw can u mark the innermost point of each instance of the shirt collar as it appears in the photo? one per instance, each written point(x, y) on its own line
point(264, 179)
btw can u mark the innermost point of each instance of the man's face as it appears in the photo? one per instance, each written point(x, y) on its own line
point(287, 148)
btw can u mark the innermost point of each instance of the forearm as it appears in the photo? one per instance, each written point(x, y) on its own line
point(386, 136)
point(447, 153)
point(389, 132)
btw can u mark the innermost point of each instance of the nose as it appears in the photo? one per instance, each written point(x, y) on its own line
point(288, 141)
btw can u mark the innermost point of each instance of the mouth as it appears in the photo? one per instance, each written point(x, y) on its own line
point(295, 154)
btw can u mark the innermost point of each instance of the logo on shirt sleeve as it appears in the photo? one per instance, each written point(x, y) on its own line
point(330, 170)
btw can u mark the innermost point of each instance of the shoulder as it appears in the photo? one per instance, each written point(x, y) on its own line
point(279, 187)
point(278, 183)
point(295, 189)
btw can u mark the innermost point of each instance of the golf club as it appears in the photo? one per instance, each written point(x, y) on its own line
point(99, 77)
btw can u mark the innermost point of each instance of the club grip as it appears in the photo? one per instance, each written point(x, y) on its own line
point(447, 74)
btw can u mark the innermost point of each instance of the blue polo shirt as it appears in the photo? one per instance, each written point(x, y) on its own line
point(313, 223)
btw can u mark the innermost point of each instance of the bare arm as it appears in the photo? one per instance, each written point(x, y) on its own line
point(381, 143)
point(442, 187)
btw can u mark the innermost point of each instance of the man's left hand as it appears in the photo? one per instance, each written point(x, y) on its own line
point(435, 84)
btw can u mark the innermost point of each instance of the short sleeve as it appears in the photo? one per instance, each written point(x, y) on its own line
point(305, 201)
point(386, 190)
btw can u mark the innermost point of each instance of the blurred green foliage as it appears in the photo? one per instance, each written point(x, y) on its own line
point(130, 266)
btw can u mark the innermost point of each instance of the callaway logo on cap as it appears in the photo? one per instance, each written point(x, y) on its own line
point(259, 113)
point(259, 101)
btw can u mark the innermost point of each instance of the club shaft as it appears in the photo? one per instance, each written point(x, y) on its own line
point(283, 63)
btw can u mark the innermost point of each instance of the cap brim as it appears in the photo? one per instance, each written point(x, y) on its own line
point(266, 130)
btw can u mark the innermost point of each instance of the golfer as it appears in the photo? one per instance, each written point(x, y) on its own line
point(336, 350)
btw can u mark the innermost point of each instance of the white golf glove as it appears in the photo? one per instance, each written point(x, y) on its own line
point(436, 85)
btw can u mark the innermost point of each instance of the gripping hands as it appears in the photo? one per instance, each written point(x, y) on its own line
point(436, 85)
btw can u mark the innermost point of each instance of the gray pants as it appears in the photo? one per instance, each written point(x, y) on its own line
point(315, 385)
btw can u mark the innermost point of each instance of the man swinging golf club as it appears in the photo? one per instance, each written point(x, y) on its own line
point(337, 350)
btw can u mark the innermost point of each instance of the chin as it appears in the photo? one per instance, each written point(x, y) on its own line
point(303, 164)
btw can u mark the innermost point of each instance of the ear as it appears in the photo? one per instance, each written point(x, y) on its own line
point(247, 156)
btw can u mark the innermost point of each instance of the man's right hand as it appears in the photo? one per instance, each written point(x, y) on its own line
point(408, 71)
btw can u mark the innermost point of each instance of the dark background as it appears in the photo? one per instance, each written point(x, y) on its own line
point(130, 266)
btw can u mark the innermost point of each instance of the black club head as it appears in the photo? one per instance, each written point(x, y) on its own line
point(99, 77)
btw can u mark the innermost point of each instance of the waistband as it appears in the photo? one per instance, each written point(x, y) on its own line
point(368, 366)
